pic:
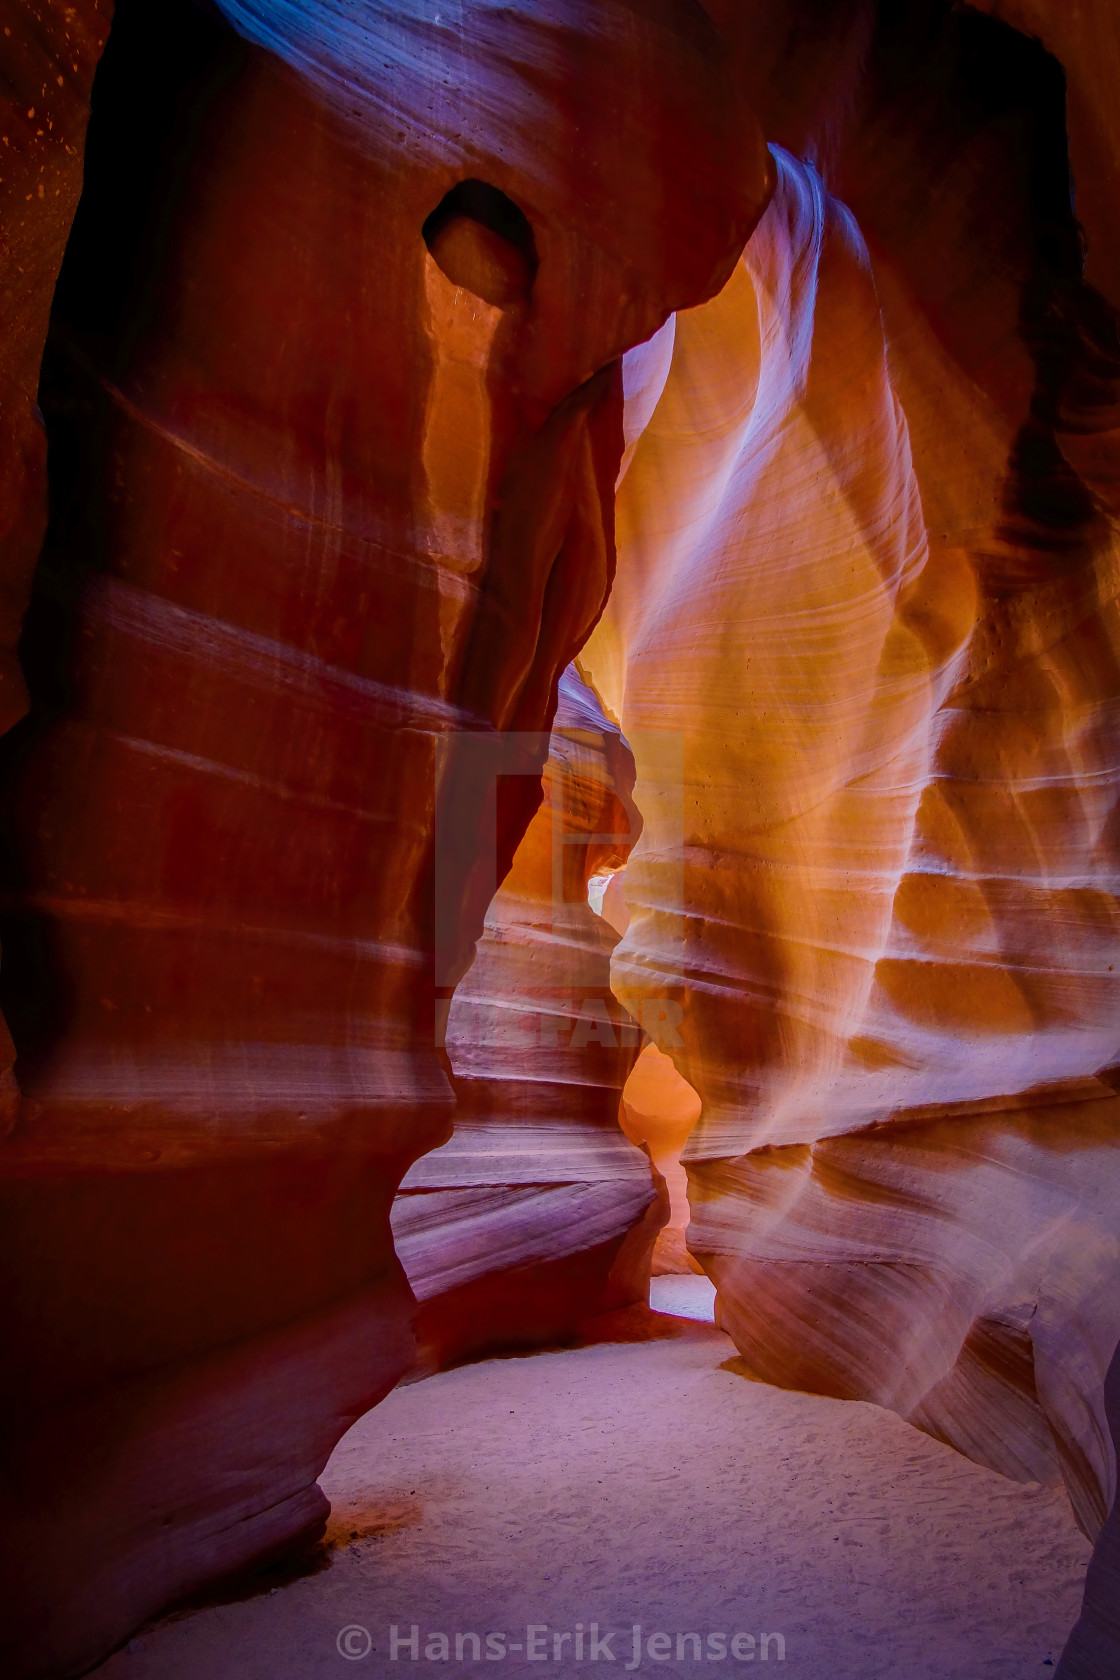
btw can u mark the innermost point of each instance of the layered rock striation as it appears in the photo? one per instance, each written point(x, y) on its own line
point(868, 578)
point(335, 413)
point(538, 1213)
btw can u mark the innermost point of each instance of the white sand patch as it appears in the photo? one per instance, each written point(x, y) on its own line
point(686, 1296)
point(651, 1484)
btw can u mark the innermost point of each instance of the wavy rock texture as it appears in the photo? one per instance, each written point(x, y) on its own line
point(334, 442)
point(538, 1213)
point(1023, 477)
point(336, 419)
point(867, 577)
point(659, 1110)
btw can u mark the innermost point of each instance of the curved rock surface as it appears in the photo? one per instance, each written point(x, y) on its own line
point(1091, 1650)
point(868, 579)
point(538, 1213)
point(49, 58)
point(335, 412)
point(337, 415)
point(1085, 42)
point(659, 1109)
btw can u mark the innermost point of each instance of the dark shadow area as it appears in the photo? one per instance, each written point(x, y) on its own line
point(160, 72)
point(483, 241)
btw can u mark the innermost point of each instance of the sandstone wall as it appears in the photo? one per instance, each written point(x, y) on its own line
point(867, 569)
point(538, 1213)
point(335, 413)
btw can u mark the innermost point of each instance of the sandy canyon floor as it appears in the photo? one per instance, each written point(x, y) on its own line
point(580, 1493)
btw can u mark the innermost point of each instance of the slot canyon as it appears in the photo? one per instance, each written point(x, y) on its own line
point(560, 838)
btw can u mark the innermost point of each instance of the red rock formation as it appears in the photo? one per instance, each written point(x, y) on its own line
point(1041, 348)
point(538, 1214)
point(954, 1252)
point(659, 1109)
point(1085, 42)
point(336, 424)
point(335, 412)
point(868, 570)
point(49, 57)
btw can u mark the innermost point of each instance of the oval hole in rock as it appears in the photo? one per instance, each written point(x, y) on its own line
point(482, 241)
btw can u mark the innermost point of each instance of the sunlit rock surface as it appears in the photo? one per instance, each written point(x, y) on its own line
point(659, 1109)
point(334, 446)
point(867, 578)
point(336, 419)
point(538, 1213)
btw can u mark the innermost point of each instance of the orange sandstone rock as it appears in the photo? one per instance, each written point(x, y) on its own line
point(660, 1109)
point(538, 1213)
point(868, 579)
point(320, 505)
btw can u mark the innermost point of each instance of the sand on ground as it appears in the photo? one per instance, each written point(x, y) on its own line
point(652, 1484)
point(684, 1296)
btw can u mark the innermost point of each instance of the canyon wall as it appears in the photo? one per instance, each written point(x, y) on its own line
point(336, 415)
point(538, 1213)
point(868, 571)
point(49, 60)
point(659, 1110)
point(335, 418)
